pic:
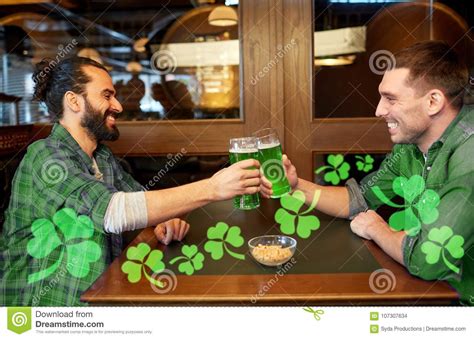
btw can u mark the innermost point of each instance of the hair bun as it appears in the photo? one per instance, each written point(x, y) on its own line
point(42, 78)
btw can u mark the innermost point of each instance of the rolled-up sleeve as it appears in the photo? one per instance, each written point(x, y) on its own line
point(361, 196)
point(357, 202)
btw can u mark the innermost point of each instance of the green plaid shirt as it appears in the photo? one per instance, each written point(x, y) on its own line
point(55, 174)
point(449, 171)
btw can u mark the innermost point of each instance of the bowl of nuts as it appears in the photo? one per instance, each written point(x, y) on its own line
point(272, 250)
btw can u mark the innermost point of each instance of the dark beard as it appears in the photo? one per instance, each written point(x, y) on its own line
point(95, 124)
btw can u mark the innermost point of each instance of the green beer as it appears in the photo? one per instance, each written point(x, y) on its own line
point(243, 149)
point(270, 157)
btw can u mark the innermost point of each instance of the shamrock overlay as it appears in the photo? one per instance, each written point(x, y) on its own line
point(365, 164)
point(136, 263)
point(297, 221)
point(442, 240)
point(220, 237)
point(192, 260)
point(339, 169)
point(72, 243)
point(417, 199)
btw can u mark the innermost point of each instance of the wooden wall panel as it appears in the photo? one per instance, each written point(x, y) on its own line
point(261, 85)
point(349, 135)
point(297, 19)
point(277, 42)
point(158, 138)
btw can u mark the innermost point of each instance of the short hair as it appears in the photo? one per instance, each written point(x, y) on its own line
point(434, 64)
point(53, 79)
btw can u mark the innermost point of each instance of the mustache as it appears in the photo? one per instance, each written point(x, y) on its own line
point(110, 113)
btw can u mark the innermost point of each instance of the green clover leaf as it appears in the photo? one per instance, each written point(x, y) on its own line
point(139, 252)
point(440, 235)
point(339, 169)
point(405, 220)
point(135, 265)
point(297, 221)
point(218, 231)
point(192, 260)
point(133, 271)
point(303, 225)
point(220, 236)
point(335, 160)
point(409, 189)
point(233, 237)
point(427, 206)
point(85, 252)
point(215, 248)
point(80, 253)
point(293, 202)
point(153, 262)
point(307, 224)
point(439, 240)
point(432, 252)
point(454, 246)
point(365, 164)
point(45, 239)
point(73, 227)
point(286, 221)
point(417, 199)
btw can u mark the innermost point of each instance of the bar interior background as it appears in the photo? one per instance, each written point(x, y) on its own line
point(191, 74)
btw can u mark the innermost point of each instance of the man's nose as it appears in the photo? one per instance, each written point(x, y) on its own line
point(381, 111)
point(116, 106)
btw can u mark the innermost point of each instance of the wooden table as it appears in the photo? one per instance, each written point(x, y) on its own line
point(332, 267)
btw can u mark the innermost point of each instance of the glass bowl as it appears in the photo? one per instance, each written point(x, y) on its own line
point(272, 250)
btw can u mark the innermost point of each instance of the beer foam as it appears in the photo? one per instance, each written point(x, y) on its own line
point(243, 150)
point(266, 146)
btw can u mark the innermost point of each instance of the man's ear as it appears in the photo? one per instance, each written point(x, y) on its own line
point(436, 101)
point(72, 101)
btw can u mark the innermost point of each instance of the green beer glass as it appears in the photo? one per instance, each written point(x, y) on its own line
point(243, 149)
point(270, 157)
